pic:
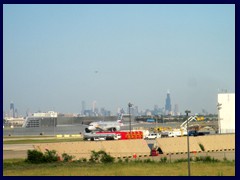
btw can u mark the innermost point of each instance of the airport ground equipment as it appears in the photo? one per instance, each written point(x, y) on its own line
point(153, 136)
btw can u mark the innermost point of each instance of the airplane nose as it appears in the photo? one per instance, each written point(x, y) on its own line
point(91, 128)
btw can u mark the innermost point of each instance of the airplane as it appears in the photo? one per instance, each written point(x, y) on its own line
point(105, 126)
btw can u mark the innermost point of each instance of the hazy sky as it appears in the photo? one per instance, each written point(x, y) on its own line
point(56, 56)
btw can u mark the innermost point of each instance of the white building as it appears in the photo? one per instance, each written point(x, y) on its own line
point(226, 112)
point(47, 114)
point(15, 121)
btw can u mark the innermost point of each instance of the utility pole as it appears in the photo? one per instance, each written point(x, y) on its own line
point(129, 110)
point(189, 174)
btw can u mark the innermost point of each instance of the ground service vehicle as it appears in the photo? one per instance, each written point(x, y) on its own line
point(174, 133)
point(153, 136)
point(196, 133)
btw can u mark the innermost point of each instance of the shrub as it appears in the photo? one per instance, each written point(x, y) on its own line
point(50, 156)
point(106, 158)
point(66, 157)
point(101, 156)
point(34, 156)
point(94, 157)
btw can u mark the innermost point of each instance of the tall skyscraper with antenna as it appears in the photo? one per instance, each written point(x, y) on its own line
point(12, 110)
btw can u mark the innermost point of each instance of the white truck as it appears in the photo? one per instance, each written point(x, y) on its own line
point(174, 133)
point(177, 133)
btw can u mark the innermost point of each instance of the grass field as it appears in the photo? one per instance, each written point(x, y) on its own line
point(20, 168)
point(30, 141)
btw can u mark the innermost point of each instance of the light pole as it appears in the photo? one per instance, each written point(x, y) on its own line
point(129, 106)
point(187, 111)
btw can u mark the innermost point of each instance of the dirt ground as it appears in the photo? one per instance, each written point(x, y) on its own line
point(12, 151)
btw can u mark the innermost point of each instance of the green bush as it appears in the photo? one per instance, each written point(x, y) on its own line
point(50, 156)
point(34, 156)
point(106, 158)
point(66, 157)
point(101, 156)
point(94, 156)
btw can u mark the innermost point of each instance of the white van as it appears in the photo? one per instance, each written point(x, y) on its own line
point(174, 134)
point(153, 136)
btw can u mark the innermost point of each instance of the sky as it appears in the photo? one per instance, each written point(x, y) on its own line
point(56, 56)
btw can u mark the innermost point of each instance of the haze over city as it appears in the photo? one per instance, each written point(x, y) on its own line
point(56, 56)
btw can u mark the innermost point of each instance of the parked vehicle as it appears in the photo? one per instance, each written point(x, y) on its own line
point(174, 133)
point(153, 136)
point(196, 133)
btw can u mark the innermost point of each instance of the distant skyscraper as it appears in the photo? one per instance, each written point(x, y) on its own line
point(16, 113)
point(168, 108)
point(12, 111)
point(176, 110)
point(94, 104)
point(83, 106)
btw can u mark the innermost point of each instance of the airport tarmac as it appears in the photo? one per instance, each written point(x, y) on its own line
point(20, 150)
point(80, 128)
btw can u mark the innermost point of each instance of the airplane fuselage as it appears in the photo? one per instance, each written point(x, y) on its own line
point(104, 126)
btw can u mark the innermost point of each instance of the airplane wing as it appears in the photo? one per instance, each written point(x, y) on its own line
point(127, 124)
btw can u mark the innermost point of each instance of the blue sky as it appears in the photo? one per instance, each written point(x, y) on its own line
point(56, 56)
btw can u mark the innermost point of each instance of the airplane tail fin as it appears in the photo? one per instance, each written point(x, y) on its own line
point(120, 118)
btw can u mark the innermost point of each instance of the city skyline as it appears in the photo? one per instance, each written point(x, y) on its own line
point(92, 107)
point(56, 56)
